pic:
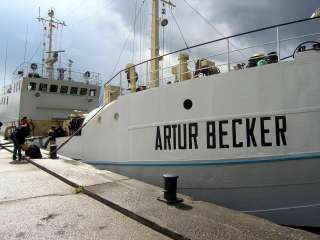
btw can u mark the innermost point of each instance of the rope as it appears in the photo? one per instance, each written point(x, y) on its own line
point(173, 52)
point(211, 25)
point(184, 40)
point(125, 43)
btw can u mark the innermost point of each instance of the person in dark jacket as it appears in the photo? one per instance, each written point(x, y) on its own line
point(51, 136)
point(33, 151)
point(18, 136)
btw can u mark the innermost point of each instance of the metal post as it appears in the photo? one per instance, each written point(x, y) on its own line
point(228, 56)
point(120, 83)
point(53, 151)
point(170, 189)
point(147, 74)
point(278, 43)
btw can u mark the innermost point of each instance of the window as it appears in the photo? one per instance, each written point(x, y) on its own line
point(64, 89)
point(53, 88)
point(43, 87)
point(32, 86)
point(83, 91)
point(74, 90)
point(92, 92)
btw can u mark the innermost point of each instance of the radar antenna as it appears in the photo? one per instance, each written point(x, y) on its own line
point(52, 56)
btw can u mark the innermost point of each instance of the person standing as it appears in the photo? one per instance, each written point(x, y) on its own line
point(18, 136)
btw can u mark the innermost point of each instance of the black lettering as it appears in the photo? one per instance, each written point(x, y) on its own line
point(234, 133)
point(264, 131)
point(193, 134)
point(222, 133)
point(167, 137)
point(211, 135)
point(280, 131)
point(174, 135)
point(158, 139)
point(250, 132)
point(184, 137)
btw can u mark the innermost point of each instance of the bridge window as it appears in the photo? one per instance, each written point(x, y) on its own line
point(83, 91)
point(53, 88)
point(32, 86)
point(92, 92)
point(43, 87)
point(64, 89)
point(74, 90)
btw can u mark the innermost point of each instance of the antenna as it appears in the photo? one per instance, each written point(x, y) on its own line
point(52, 23)
point(154, 80)
point(5, 69)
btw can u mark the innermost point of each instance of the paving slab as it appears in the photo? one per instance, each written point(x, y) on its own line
point(78, 172)
point(36, 205)
point(68, 217)
point(194, 220)
point(190, 220)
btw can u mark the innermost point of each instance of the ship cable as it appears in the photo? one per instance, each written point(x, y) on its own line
point(125, 44)
point(213, 41)
point(214, 28)
point(185, 42)
point(177, 51)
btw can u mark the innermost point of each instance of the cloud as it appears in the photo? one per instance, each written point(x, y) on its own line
point(98, 29)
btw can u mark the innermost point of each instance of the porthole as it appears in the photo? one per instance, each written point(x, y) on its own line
point(187, 104)
point(116, 116)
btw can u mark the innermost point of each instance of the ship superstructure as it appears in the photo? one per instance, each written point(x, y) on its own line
point(46, 94)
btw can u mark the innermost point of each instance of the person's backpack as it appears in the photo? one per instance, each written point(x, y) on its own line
point(33, 151)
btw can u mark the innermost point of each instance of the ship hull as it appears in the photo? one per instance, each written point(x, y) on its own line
point(249, 140)
point(282, 189)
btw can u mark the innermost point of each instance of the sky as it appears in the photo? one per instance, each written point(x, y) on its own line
point(104, 35)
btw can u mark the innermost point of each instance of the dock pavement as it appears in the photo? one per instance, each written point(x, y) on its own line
point(66, 199)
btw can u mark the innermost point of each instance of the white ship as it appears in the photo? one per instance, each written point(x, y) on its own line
point(46, 94)
point(244, 138)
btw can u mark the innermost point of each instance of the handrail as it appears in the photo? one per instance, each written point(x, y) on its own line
point(213, 41)
point(176, 51)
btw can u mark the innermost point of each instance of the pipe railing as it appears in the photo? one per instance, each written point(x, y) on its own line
point(214, 41)
point(25, 70)
point(120, 73)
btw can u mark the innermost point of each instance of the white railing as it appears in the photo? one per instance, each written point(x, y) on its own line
point(25, 70)
point(225, 57)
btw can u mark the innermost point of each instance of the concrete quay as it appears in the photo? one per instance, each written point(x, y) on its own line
point(38, 200)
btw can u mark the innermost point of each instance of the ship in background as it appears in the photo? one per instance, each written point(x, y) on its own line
point(46, 94)
point(247, 137)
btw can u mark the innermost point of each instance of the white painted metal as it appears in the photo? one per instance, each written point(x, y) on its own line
point(277, 182)
point(38, 105)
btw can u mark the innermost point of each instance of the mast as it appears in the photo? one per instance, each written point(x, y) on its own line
point(154, 81)
point(52, 55)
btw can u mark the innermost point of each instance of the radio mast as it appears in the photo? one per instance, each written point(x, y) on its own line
point(52, 56)
point(154, 81)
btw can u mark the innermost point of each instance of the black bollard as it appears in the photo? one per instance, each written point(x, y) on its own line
point(170, 189)
point(53, 151)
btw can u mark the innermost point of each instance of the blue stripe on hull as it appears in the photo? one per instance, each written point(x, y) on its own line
point(295, 157)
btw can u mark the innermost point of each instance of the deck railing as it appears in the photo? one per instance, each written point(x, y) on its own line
point(28, 70)
point(284, 38)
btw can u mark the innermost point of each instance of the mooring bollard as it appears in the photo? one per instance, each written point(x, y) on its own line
point(53, 151)
point(170, 189)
